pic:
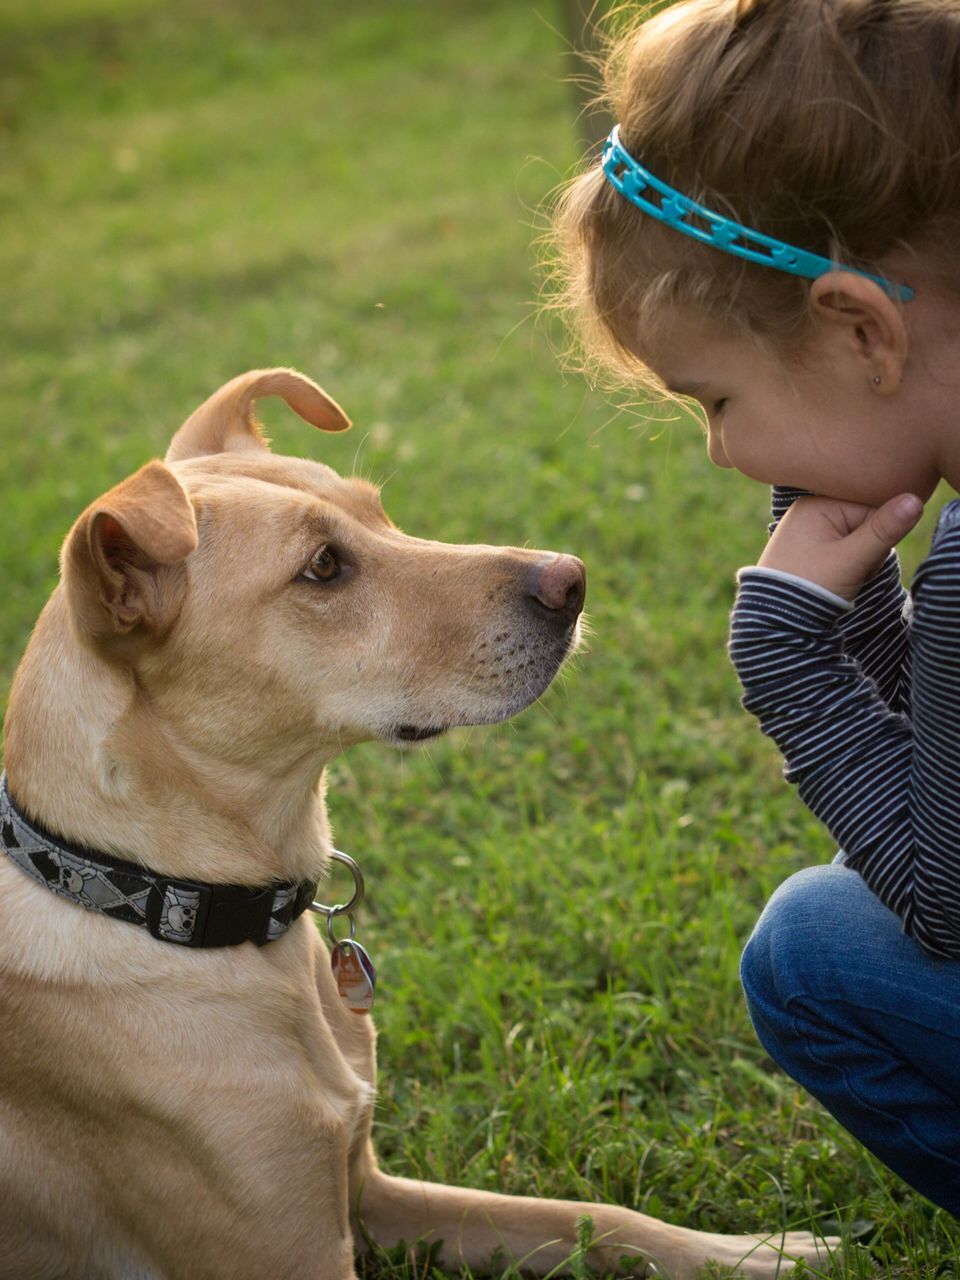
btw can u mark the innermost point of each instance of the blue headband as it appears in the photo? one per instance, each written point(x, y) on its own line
point(633, 181)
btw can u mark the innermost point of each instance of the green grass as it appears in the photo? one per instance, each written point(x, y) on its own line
point(190, 188)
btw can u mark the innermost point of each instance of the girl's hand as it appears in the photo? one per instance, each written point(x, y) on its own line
point(839, 545)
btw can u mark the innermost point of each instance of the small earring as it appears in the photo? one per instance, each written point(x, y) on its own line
point(877, 379)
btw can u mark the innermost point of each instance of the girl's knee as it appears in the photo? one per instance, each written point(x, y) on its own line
point(804, 939)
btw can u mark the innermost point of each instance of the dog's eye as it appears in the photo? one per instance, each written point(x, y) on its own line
point(324, 567)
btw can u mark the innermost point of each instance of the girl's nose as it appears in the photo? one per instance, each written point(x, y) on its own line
point(715, 448)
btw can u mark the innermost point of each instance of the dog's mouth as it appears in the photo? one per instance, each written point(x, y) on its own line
point(519, 685)
point(418, 733)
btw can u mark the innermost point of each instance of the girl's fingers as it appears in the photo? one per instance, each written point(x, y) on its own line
point(836, 544)
point(893, 521)
point(863, 550)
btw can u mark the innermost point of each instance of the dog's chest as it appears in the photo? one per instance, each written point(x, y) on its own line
point(232, 1099)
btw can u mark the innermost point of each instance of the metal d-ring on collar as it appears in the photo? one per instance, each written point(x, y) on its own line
point(343, 908)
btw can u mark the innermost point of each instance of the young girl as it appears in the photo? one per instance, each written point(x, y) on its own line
point(773, 229)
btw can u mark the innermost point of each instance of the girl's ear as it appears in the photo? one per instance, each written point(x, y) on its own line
point(866, 324)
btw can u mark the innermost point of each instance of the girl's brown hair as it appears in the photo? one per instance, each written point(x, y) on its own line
point(831, 124)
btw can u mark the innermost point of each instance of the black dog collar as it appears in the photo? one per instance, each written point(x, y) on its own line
point(189, 912)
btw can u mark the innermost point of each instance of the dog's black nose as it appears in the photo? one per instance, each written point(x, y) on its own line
point(560, 586)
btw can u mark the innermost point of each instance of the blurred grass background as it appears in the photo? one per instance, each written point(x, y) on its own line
point(191, 188)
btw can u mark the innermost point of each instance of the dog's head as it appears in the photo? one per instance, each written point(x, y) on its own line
point(269, 609)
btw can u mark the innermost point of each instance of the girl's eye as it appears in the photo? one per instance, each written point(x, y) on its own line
point(324, 567)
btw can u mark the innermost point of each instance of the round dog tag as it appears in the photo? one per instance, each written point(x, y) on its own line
point(354, 975)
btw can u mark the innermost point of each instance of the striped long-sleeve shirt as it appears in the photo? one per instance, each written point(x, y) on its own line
point(863, 700)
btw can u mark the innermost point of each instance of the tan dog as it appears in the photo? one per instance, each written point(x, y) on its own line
point(226, 623)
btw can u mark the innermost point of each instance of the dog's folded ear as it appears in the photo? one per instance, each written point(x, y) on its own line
point(123, 560)
point(226, 421)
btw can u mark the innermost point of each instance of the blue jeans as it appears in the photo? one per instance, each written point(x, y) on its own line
point(864, 1019)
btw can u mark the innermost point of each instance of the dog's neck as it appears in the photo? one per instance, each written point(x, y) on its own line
point(92, 758)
